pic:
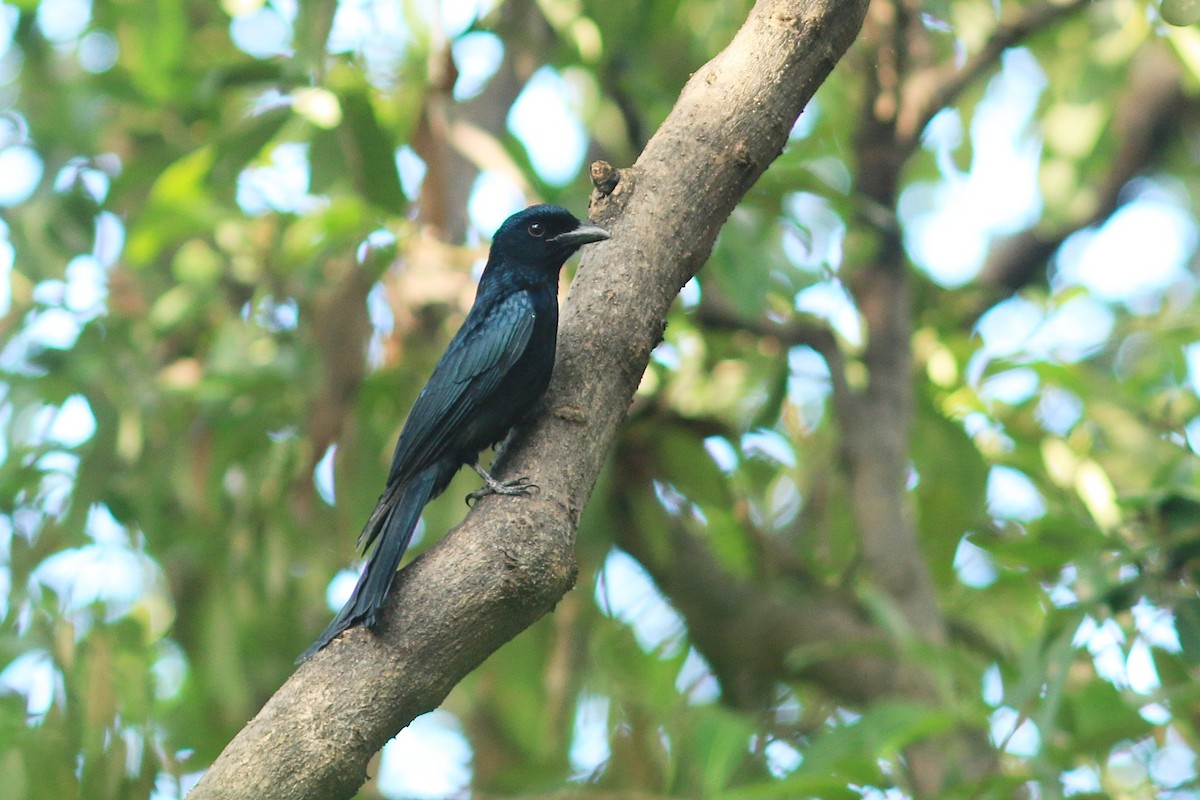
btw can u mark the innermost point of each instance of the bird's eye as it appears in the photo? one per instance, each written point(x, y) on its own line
point(537, 229)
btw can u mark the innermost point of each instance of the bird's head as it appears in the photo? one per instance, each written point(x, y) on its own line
point(541, 238)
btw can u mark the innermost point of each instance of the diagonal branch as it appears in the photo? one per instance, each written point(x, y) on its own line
point(929, 91)
point(1148, 107)
point(800, 330)
point(512, 560)
point(757, 634)
point(719, 315)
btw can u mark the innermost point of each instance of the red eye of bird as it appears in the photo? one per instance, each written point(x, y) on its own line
point(537, 229)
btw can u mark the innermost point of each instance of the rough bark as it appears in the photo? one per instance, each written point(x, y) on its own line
point(512, 559)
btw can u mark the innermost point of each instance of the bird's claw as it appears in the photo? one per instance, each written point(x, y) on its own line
point(516, 487)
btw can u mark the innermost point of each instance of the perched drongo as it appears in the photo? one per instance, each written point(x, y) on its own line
point(493, 372)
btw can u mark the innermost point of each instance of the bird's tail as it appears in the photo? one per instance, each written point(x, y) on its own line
point(390, 528)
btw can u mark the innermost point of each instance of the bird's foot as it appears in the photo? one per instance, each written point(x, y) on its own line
point(518, 486)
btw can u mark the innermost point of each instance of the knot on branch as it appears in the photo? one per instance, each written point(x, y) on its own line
point(605, 177)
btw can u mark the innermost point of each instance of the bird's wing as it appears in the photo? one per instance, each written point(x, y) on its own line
point(474, 363)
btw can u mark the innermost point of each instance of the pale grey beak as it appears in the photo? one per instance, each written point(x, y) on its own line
point(584, 234)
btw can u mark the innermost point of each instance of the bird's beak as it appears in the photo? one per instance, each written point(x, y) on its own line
point(582, 235)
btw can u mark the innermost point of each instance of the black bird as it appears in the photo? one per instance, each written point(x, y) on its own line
point(494, 370)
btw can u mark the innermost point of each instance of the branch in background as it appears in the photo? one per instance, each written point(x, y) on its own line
point(756, 634)
point(512, 560)
point(715, 313)
point(1151, 105)
point(340, 332)
point(874, 422)
point(753, 633)
point(931, 90)
point(614, 86)
point(482, 149)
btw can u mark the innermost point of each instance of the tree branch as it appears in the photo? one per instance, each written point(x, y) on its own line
point(800, 330)
point(929, 91)
point(756, 634)
point(874, 422)
point(1150, 104)
point(512, 559)
point(717, 314)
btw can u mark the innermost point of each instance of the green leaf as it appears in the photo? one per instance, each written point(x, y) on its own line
point(719, 747)
point(1187, 626)
point(1180, 12)
point(327, 162)
point(849, 753)
point(314, 20)
point(1097, 717)
point(369, 152)
point(178, 206)
point(746, 257)
point(952, 493)
point(686, 464)
point(241, 145)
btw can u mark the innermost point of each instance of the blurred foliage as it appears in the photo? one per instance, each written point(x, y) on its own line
point(220, 295)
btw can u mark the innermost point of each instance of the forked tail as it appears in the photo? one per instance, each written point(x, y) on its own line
point(390, 528)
